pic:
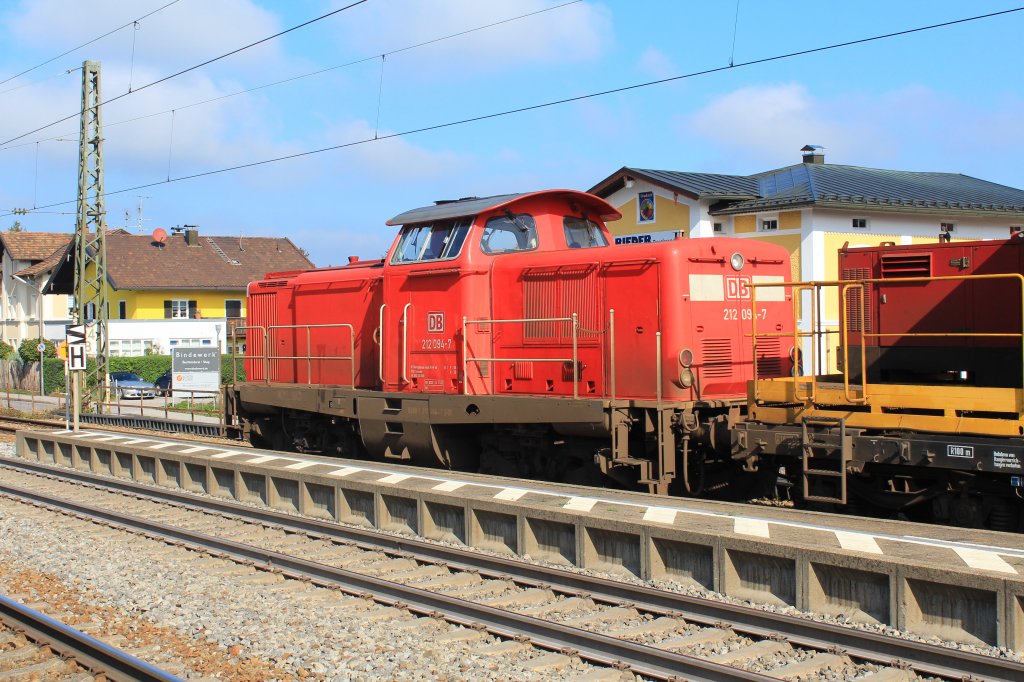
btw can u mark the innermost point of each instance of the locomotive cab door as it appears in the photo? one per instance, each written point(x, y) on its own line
point(424, 286)
point(631, 290)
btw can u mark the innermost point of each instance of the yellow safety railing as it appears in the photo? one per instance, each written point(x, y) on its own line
point(843, 287)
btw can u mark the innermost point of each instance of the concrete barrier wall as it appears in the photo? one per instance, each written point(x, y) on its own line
point(928, 597)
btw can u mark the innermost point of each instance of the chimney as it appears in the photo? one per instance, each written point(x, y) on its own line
point(813, 153)
point(192, 235)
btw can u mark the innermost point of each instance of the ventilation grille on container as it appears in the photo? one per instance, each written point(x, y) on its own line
point(717, 355)
point(858, 307)
point(522, 370)
point(769, 362)
point(896, 266)
point(270, 285)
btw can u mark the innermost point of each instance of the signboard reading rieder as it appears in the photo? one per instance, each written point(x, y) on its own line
point(195, 369)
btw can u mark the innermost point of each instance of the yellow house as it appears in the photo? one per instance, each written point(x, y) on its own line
point(811, 208)
point(185, 290)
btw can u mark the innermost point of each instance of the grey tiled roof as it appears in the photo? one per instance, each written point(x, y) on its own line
point(705, 185)
point(834, 185)
point(838, 185)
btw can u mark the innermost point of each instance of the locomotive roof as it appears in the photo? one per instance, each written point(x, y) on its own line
point(475, 206)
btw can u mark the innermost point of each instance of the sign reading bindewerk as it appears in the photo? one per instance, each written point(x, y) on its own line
point(196, 369)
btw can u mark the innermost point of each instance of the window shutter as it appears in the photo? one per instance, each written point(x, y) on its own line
point(167, 310)
point(192, 305)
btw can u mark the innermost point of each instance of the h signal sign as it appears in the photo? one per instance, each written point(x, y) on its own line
point(76, 356)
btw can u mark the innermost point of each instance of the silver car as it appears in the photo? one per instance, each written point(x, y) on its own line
point(131, 385)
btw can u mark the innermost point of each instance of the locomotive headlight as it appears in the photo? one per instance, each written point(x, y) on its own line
point(685, 377)
point(686, 357)
point(737, 262)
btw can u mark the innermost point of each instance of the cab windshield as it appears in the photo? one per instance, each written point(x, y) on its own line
point(437, 241)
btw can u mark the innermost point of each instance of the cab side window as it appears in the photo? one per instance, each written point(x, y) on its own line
point(582, 233)
point(440, 241)
point(508, 233)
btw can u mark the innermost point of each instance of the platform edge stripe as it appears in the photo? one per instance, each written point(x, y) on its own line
point(196, 448)
point(857, 542)
point(449, 486)
point(748, 526)
point(983, 560)
point(343, 472)
point(301, 465)
point(660, 515)
point(583, 504)
point(394, 478)
point(510, 494)
point(224, 454)
point(262, 459)
point(161, 446)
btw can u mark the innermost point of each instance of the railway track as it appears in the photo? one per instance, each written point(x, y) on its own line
point(34, 646)
point(11, 424)
point(650, 632)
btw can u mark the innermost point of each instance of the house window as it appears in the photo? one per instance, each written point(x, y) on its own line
point(179, 309)
point(718, 228)
point(770, 224)
point(947, 227)
point(190, 343)
point(232, 308)
point(129, 348)
point(122, 310)
point(859, 223)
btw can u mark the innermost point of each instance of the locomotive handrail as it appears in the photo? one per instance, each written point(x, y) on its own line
point(234, 345)
point(380, 343)
point(405, 343)
point(574, 359)
point(844, 285)
point(308, 357)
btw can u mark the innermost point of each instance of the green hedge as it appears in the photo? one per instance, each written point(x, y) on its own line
point(149, 367)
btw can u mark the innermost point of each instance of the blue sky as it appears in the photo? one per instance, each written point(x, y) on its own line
point(942, 100)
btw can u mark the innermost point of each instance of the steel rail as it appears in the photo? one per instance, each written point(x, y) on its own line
point(590, 646)
point(147, 423)
point(94, 655)
point(925, 659)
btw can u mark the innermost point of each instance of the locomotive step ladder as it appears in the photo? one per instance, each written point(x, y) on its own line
point(827, 450)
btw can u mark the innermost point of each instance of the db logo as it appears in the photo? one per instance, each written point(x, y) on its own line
point(435, 323)
point(737, 288)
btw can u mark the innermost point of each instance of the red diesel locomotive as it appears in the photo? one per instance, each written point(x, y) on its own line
point(507, 335)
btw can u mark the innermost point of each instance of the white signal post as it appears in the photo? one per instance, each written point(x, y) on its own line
point(76, 365)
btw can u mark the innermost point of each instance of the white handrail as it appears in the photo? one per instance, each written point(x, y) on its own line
point(405, 342)
point(380, 342)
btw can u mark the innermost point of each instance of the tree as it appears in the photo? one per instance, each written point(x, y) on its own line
point(15, 227)
point(29, 353)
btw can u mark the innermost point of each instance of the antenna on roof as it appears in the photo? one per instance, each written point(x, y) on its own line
point(160, 236)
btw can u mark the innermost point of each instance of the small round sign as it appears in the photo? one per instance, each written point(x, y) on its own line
point(41, 347)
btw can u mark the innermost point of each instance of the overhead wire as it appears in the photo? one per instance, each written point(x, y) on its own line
point(565, 100)
point(194, 67)
point(90, 42)
point(309, 74)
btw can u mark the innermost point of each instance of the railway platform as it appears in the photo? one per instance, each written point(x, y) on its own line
point(954, 584)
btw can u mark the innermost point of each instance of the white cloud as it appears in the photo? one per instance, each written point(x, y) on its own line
point(394, 159)
point(768, 123)
point(181, 34)
point(656, 63)
point(575, 33)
